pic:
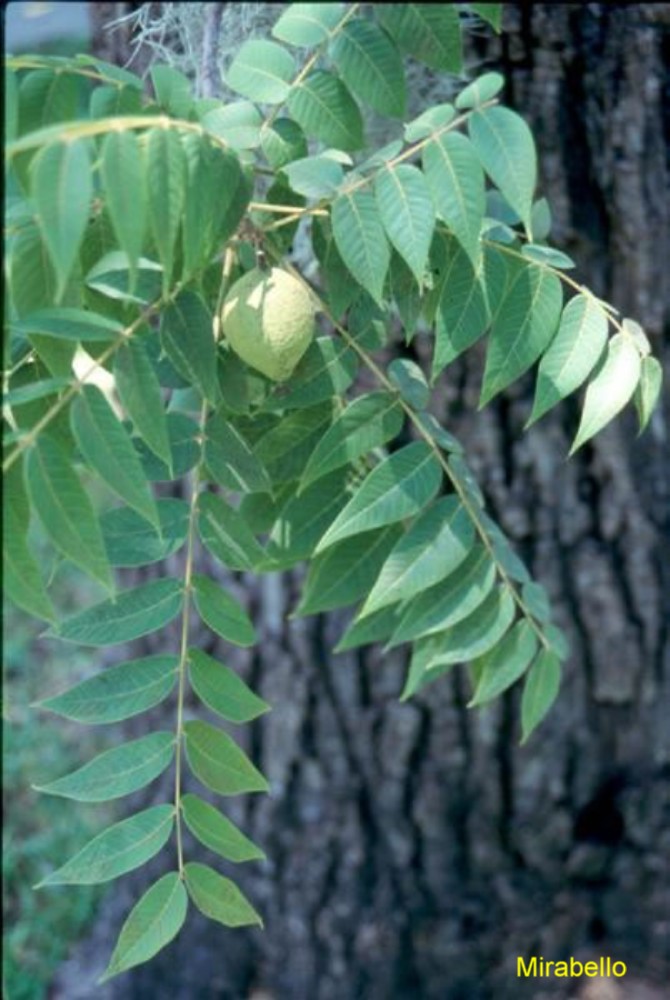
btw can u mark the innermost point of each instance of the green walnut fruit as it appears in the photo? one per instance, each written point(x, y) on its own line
point(268, 320)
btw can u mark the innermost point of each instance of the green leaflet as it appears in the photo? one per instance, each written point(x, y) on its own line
point(370, 65)
point(307, 24)
point(489, 12)
point(503, 552)
point(238, 124)
point(69, 324)
point(118, 849)
point(469, 638)
point(539, 691)
point(213, 193)
point(522, 328)
point(449, 601)
point(505, 146)
point(130, 541)
point(166, 187)
point(184, 448)
point(305, 517)
point(140, 392)
point(460, 298)
point(347, 571)
point(409, 380)
point(324, 108)
point(64, 508)
point(366, 423)
point(429, 121)
point(361, 240)
point(107, 448)
point(456, 182)
point(224, 531)
point(572, 354)
point(218, 762)
point(480, 90)
point(648, 389)
point(222, 612)
point(111, 276)
point(116, 772)
point(35, 390)
point(436, 543)
point(610, 389)
point(219, 898)
point(118, 692)
point(152, 923)
point(536, 599)
point(326, 369)
point(216, 832)
point(374, 628)
point(498, 669)
point(222, 690)
point(123, 177)
point(407, 213)
point(22, 582)
point(131, 614)
point(283, 142)
point(173, 90)
point(430, 32)
point(188, 340)
point(262, 71)
point(230, 459)
point(406, 294)
point(396, 488)
point(62, 190)
point(547, 255)
point(285, 448)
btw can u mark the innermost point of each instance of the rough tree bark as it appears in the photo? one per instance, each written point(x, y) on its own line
point(416, 850)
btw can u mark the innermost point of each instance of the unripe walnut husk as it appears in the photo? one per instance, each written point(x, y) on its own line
point(268, 320)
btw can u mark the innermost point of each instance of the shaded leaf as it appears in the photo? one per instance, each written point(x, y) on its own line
point(123, 177)
point(410, 381)
point(218, 762)
point(219, 898)
point(347, 571)
point(22, 579)
point(303, 520)
point(184, 448)
point(366, 423)
point(539, 691)
point(224, 531)
point(374, 628)
point(188, 340)
point(216, 832)
point(436, 543)
point(130, 541)
point(69, 324)
point(222, 612)
point(231, 460)
point(504, 664)
point(648, 389)
point(118, 849)
point(222, 690)
point(398, 487)
point(523, 327)
point(283, 141)
point(140, 392)
point(447, 602)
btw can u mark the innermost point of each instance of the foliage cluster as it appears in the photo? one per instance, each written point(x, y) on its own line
point(126, 228)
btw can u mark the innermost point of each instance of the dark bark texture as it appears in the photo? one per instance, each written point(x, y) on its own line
point(416, 850)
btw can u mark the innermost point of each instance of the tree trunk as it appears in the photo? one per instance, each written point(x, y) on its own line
point(416, 850)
